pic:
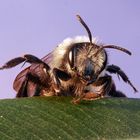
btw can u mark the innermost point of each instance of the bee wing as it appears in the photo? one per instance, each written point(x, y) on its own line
point(20, 78)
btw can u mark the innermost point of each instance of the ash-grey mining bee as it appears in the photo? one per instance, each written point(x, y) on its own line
point(78, 67)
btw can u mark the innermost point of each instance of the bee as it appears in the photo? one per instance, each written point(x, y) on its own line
point(77, 67)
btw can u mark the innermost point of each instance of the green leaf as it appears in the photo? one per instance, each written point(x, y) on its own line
point(49, 118)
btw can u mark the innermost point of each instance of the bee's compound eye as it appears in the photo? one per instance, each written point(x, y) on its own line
point(70, 56)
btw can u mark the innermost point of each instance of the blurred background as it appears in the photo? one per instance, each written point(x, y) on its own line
point(37, 26)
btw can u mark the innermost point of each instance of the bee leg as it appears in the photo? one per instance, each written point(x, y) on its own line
point(59, 75)
point(79, 93)
point(115, 93)
point(12, 63)
point(91, 96)
point(26, 58)
point(33, 59)
point(117, 70)
point(86, 96)
point(99, 89)
point(108, 87)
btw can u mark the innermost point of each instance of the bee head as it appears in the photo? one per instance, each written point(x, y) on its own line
point(87, 66)
point(88, 59)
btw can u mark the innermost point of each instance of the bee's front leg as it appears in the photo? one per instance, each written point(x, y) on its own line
point(99, 89)
point(79, 92)
point(91, 96)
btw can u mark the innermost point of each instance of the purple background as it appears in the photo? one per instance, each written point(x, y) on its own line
point(37, 26)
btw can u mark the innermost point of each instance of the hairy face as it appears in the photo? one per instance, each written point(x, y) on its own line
point(85, 60)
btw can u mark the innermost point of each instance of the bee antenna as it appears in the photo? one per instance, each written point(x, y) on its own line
point(113, 47)
point(86, 27)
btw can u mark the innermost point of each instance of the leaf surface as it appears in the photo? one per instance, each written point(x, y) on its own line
point(44, 118)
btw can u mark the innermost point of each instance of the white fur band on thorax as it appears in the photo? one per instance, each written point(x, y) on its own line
point(59, 52)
